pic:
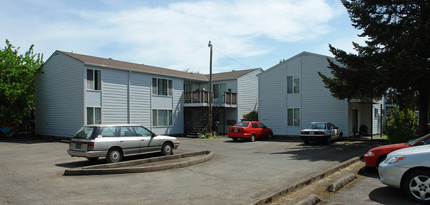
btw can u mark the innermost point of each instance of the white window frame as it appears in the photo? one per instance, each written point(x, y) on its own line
point(157, 87)
point(95, 82)
point(93, 113)
point(296, 118)
point(156, 118)
point(222, 88)
point(293, 84)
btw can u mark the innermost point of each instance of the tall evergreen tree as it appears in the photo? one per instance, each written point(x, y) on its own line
point(396, 56)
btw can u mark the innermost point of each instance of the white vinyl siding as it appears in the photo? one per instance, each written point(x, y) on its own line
point(59, 96)
point(318, 104)
point(272, 98)
point(115, 96)
point(140, 99)
point(247, 93)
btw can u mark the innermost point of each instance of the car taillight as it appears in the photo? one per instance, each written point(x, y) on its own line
point(90, 146)
point(304, 133)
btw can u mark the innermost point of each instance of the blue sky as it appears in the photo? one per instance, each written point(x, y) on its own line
point(175, 34)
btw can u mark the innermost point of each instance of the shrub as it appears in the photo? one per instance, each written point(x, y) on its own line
point(401, 125)
point(253, 115)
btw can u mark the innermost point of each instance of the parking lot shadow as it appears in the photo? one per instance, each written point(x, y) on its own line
point(338, 151)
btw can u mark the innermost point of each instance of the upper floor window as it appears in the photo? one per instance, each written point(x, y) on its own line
point(293, 84)
point(93, 79)
point(162, 87)
point(219, 89)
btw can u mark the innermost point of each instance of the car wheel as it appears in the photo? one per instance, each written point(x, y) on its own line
point(234, 139)
point(417, 185)
point(270, 136)
point(252, 138)
point(92, 159)
point(114, 155)
point(327, 140)
point(167, 149)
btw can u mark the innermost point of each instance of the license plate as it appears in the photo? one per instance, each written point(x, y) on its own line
point(78, 146)
point(235, 130)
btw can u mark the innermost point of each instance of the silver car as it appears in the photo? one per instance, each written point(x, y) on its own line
point(408, 169)
point(321, 131)
point(116, 141)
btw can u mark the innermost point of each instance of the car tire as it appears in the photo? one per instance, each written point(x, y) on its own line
point(270, 136)
point(114, 155)
point(92, 159)
point(167, 149)
point(252, 138)
point(416, 187)
point(234, 139)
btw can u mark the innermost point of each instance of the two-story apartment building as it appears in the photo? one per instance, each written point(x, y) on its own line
point(292, 94)
point(74, 90)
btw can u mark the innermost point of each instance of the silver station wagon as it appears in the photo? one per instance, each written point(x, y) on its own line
point(116, 141)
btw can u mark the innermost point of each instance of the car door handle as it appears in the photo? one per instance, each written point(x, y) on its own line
point(121, 141)
point(142, 140)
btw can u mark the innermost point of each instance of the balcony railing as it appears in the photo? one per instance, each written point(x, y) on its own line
point(203, 97)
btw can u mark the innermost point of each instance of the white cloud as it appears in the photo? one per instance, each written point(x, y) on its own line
point(176, 36)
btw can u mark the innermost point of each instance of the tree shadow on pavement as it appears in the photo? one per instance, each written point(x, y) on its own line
point(338, 151)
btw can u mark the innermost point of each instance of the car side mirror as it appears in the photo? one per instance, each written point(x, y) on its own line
point(153, 135)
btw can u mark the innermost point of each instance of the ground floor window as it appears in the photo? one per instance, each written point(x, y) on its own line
point(94, 115)
point(161, 118)
point(293, 116)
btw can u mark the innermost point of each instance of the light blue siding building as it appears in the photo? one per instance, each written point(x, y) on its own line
point(74, 90)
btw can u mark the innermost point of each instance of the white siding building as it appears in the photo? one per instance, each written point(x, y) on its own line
point(292, 95)
point(73, 90)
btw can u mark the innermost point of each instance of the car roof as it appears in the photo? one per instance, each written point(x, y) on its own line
point(112, 125)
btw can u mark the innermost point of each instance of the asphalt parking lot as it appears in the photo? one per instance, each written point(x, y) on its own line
point(31, 172)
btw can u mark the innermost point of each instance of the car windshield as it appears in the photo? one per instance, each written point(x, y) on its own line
point(84, 133)
point(242, 124)
point(413, 141)
point(317, 126)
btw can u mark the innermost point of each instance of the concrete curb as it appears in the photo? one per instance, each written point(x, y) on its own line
point(302, 183)
point(310, 200)
point(338, 184)
point(132, 166)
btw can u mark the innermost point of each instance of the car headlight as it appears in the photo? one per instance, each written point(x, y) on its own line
point(394, 159)
point(371, 154)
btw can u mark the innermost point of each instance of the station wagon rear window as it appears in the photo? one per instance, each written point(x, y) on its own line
point(84, 133)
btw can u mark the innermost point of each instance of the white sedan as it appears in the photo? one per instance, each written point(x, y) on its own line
point(321, 131)
point(408, 169)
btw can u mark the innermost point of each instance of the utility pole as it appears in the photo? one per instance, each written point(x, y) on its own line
point(210, 88)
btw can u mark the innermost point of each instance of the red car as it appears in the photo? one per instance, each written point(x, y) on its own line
point(376, 155)
point(251, 130)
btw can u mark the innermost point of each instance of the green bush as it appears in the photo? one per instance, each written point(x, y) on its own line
point(253, 115)
point(402, 125)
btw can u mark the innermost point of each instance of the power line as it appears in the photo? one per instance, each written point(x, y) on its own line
point(231, 58)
